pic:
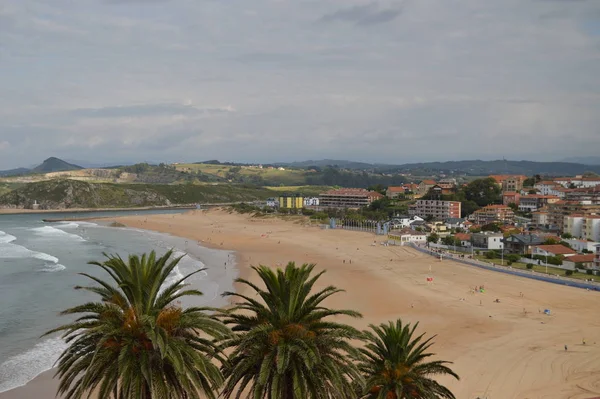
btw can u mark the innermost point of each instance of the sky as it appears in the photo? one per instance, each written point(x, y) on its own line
point(389, 81)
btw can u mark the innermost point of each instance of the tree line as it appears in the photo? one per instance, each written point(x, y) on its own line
point(276, 342)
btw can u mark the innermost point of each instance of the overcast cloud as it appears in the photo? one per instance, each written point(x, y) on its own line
point(275, 80)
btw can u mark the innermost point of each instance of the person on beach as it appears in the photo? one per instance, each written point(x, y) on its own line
point(566, 348)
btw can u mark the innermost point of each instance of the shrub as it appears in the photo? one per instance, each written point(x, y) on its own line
point(509, 262)
point(513, 258)
point(589, 272)
point(530, 266)
point(568, 272)
point(491, 254)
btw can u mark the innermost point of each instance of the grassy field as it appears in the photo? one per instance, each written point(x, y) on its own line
point(287, 177)
point(553, 271)
point(305, 190)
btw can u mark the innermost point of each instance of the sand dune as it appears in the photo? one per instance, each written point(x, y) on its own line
point(500, 350)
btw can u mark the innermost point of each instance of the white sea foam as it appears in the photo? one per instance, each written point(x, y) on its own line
point(50, 232)
point(22, 368)
point(68, 225)
point(6, 238)
point(14, 251)
point(56, 267)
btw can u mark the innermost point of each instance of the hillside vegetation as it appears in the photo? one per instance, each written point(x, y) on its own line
point(64, 193)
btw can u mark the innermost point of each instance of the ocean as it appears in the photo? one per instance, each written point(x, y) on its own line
point(39, 266)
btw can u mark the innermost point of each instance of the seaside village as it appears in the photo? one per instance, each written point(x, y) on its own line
point(551, 226)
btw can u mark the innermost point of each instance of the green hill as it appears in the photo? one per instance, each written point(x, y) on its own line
point(53, 164)
point(65, 194)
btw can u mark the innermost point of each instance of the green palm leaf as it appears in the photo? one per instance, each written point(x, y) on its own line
point(286, 347)
point(137, 341)
point(394, 364)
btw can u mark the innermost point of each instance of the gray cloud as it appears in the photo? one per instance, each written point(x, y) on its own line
point(104, 83)
point(135, 1)
point(146, 110)
point(369, 14)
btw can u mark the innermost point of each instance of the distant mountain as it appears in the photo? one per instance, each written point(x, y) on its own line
point(330, 162)
point(14, 172)
point(468, 167)
point(584, 160)
point(53, 164)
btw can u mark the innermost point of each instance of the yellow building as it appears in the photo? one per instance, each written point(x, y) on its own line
point(291, 201)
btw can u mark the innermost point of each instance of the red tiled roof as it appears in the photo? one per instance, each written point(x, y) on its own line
point(429, 182)
point(463, 236)
point(397, 188)
point(557, 249)
point(582, 258)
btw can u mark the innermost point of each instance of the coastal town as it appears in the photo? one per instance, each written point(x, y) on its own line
point(531, 221)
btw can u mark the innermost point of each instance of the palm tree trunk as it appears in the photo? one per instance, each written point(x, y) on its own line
point(116, 392)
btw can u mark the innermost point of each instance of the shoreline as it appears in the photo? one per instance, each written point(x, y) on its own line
point(502, 348)
point(211, 258)
point(18, 211)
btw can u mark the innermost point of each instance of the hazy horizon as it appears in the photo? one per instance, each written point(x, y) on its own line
point(387, 81)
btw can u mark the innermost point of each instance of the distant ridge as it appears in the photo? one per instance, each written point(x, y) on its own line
point(54, 164)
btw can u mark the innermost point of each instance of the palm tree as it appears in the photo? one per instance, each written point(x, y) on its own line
point(285, 346)
point(138, 342)
point(394, 367)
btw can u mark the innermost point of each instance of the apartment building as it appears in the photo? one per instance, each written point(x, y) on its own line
point(510, 182)
point(291, 201)
point(352, 198)
point(437, 209)
point(597, 258)
point(591, 228)
point(533, 202)
point(493, 213)
point(573, 224)
point(539, 219)
point(557, 211)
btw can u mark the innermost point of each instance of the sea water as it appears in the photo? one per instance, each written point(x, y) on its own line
point(39, 266)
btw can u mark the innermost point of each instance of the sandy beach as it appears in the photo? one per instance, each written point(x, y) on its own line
point(500, 350)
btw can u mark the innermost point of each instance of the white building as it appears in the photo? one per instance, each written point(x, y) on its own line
point(401, 222)
point(406, 236)
point(597, 258)
point(578, 181)
point(549, 188)
point(581, 245)
point(272, 202)
point(311, 201)
point(487, 240)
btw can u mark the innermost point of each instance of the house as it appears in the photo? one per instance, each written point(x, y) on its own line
point(437, 209)
point(510, 197)
point(418, 224)
point(405, 236)
point(522, 243)
point(487, 240)
point(547, 187)
point(553, 250)
point(509, 182)
point(465, 239)
point(350, 198)
point(437, 226)
point(311, 201)
point(493, 213)
point(272, 202)
point(578, 181)
point(454, 223)
point(582, 245)
point(448, 186)
point(404, 221)
point(395, 191)
point(424, 186)
point(533, 202)
point(572, 262)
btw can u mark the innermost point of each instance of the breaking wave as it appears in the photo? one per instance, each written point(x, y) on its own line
point(49, 231)
point(22, 368)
